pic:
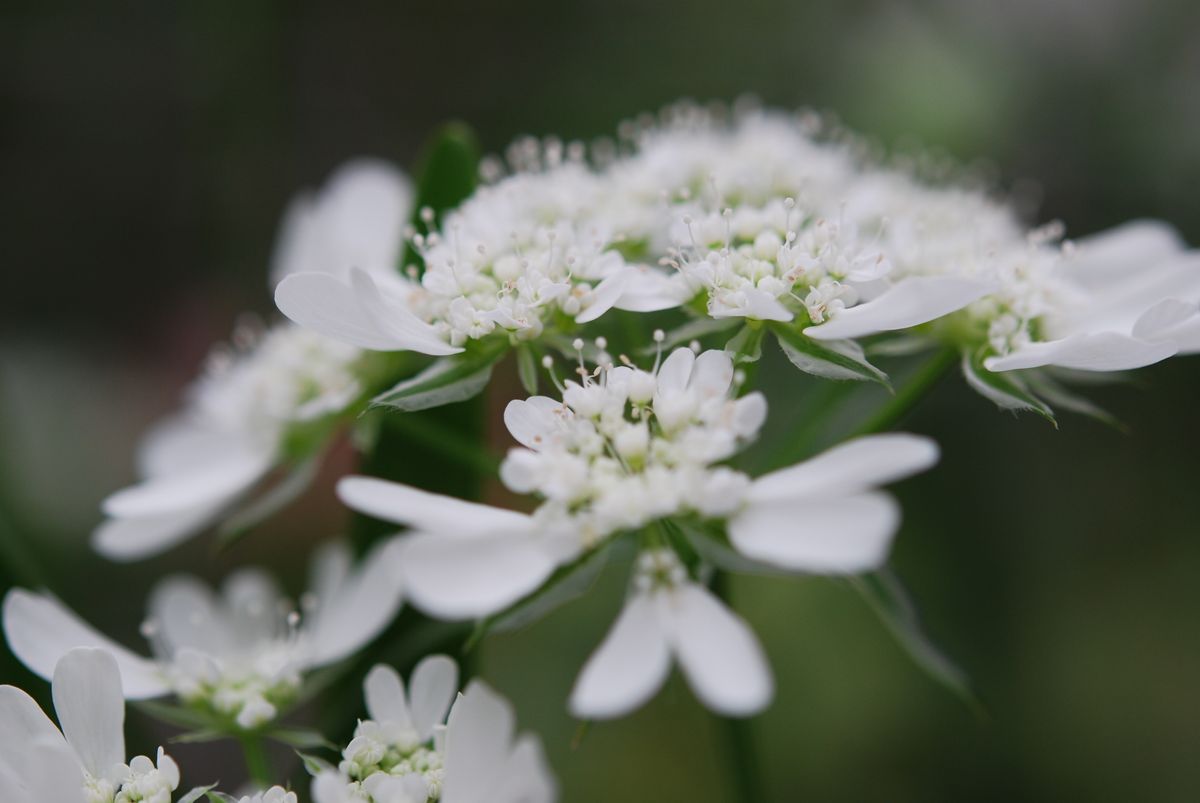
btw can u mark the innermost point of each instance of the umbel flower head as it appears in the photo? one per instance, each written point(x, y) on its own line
point(629, 452)
point(238, 656)
point(405, 754)
point(85, 761)
point(272, 389)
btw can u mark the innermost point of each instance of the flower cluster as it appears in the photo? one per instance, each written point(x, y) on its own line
point(239, 655)
point(405, 754)
point(85, 761)
point(268, 383)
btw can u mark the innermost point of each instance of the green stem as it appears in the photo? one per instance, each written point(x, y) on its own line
point(738, 733)
point(910, 394)
point(256, 759)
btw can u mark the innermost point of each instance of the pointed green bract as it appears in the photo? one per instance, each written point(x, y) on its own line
point(829, 359)
point(1006, 389)
point(888, 598)
point(447, 380)
point(527, 368)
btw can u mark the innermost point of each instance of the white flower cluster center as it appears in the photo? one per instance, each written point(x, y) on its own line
point(626, 446)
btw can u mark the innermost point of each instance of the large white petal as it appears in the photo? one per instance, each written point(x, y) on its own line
point(1166, 320)
point(384, 693)
point(207, 484)
point(133, 539)
point(186, 613)
point(479, 731)
point(389, 313)
point(91, 708)
point(40, 630)
point(627, 668)
point(329, 306)
point(909, 302)
point(402, 504)
point(651, 290)
point(1102, 351)
point(22, 726)
point(1114, 254)
point(851, 466)
point(53, 773)
point(469, 576)
point(525, 778)
point(719, 655)
point(358, 610)
point(433, 685)
point(835, 535)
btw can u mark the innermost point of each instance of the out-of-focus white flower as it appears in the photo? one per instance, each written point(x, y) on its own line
point(1121, 299)
point(669, 615)
point(404, 754)
point(85, 762)
point(356, 220)
point(240, 654)
point(197, 464)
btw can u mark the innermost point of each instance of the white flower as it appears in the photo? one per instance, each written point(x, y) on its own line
point(276, 794)
point(413, 757)
point(197, 464)
point(668, 615)
point(240, 654)
point(85, 762)
point(1121, 299)
point(618, 452)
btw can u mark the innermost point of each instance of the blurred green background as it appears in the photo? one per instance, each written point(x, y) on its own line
point(148, 150)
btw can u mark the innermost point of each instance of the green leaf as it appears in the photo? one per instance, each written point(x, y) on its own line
point(199, 792)
point(568, 582)
point(262, 507)
point(887, 597)
point(713, 546)
point(1059, 396)
point(527, 368)
point(177, 715)
point(199, 736)
point(447, 380)
point(314, 765)
point(829, 359)
point(1006, 389)
point(448, 173)
point(302, 738)
point(746, 345)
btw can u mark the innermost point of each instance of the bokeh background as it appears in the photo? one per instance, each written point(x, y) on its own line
point(148, 150)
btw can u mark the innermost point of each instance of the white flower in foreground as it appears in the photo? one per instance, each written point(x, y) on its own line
point(239, 655)
point(623, 452)
point(404, 754)
point(85, 762)
point(232, 432)
point(1121, 299)
point(620, 451)
point(669, 615)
